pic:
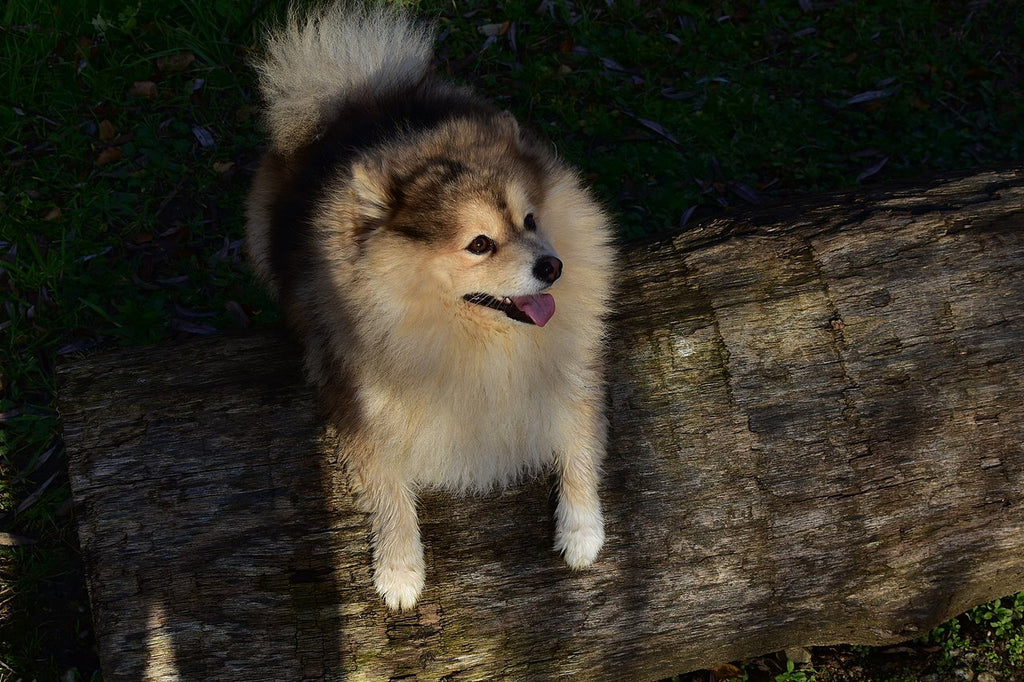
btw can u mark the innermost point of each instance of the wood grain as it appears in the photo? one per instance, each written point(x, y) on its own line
point(817, 437)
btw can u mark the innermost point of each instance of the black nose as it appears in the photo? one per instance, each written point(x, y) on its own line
point(548, 269)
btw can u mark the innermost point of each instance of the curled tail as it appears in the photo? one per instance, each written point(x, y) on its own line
point(326, 57)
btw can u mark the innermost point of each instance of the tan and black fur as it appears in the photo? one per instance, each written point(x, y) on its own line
point(418, 240)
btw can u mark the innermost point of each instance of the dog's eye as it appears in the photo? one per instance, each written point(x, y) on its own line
point(529, 223)
point(480, 245)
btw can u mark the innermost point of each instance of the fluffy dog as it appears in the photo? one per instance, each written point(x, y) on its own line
point(418, 241)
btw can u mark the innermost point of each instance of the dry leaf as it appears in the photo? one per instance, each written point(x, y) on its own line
point(78, 346)
point(145, 89)
point(725, 671)
point(12, 540)
point(10, 414)
point(613, 65)
point(870, 96)
point(491, 30)
point(89, 257)
point(53, 214)
point(237, 312)
point(223, 166)
point(745, 192)
point(672, 93)
point(687, 214)
point(655, 126)
point(31, 499)
point(204, 136)
point(39, 461)
point(190, 327)
point(175, 62)
point(867, 173)
point(106, 131)
point(188, 312)
point(108, 155)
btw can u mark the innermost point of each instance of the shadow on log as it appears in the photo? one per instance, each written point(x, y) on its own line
point(817, 437)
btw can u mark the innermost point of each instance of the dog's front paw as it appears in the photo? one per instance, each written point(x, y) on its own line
point(400, 586)
point(579, 538)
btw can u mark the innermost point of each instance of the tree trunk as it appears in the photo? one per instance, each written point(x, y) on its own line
point(817, 436)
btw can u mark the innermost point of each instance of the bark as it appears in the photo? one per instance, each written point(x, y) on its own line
point(816, 438)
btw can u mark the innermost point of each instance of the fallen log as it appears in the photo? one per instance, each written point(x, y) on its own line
point(817, 437)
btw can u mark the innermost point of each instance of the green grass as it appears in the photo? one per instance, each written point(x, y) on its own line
point(758, 96)
point(119, 227)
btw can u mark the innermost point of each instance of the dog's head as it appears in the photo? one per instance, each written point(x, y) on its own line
point(458, 223)
point(505, 262)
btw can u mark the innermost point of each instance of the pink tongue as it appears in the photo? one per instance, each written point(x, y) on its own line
point(539, 307)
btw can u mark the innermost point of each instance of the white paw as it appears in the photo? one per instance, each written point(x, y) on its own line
point(579, 542)
point(400, 586)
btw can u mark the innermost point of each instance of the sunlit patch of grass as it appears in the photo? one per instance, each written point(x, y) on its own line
point(989, 637)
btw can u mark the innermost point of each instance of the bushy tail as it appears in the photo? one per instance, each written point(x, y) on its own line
point(325, 57)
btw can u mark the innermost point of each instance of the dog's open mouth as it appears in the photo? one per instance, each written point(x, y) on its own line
point(535, 309)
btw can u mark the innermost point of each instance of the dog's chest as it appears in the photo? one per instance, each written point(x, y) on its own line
point(472, 431)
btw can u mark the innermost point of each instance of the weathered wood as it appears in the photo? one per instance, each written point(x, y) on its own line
point(817, 437)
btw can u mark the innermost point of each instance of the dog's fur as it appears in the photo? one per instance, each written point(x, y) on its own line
point(389, 198)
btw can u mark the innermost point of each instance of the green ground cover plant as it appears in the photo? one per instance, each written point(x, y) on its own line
point(130, 132)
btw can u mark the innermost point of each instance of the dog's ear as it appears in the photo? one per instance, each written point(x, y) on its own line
point(507, 122)
point(371, 199)
point(526, 138)
point(371, 192)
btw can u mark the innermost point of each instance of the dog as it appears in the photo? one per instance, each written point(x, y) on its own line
point(418, 240)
